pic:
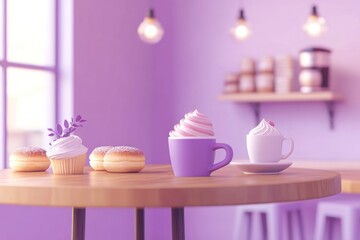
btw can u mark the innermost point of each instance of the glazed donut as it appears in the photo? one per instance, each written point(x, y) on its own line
point(124, 159)
point(97, 157)
point(29, 159)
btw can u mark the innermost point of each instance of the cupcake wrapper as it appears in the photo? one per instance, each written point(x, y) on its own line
point(68, 166)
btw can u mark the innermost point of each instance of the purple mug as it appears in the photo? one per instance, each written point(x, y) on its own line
point(195, 156)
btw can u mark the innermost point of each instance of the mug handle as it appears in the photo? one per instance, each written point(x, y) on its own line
point(228, 157)
point(291, 148)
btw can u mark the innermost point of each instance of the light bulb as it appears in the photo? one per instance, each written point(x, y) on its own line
point(150, 30)
point(315, 25)
point(241, 30)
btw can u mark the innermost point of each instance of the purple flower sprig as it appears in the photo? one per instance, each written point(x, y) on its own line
point(69, 127)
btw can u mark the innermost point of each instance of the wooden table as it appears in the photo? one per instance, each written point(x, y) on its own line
point(349, 170)
point(156, 186)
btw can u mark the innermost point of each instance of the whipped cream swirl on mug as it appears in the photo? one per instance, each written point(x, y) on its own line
point(66, 147)
point(264, 129)
point(194, 124)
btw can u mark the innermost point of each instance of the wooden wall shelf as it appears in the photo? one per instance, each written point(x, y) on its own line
point(255, 99)
point(281, 97)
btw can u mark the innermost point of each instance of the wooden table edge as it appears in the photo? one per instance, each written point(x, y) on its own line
point(20, 195)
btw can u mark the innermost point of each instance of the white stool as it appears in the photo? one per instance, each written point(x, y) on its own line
point(347, 212)
point(271, 221)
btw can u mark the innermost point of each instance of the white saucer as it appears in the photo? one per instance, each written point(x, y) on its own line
point(262, 168)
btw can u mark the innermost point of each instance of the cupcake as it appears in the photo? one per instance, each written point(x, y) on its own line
point(29, 159)
point(67, 154)
point(97, 157)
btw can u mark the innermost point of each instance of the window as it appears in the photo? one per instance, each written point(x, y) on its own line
point(34, 44)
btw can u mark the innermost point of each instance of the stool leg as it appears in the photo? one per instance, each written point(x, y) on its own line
point(300, 224)
point(238, 223)
point(264, 219)
point(242, 226)
point(349, 226)
point(295, 230)
point(320, 226)
point(258, 229)
point(248, 225)
point(274, 224)
point(288, 222)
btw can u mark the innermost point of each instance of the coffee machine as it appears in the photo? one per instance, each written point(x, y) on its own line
point(314, 69)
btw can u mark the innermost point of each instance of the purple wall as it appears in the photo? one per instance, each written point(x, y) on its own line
point(132, 94)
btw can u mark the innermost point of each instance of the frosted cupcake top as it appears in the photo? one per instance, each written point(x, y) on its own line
point(194, 124)
point(265, 129)
point(66, 147)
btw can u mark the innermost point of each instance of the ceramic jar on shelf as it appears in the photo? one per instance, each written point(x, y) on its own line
point(315, 67)
point(284, 74)
point(231, 83)
point(264, 80)
point(247, 75)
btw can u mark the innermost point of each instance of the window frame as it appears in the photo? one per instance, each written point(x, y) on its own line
point(62, 61)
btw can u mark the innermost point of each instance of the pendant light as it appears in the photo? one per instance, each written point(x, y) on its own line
point(150, 30)
point(315, 25)
point(241, 30)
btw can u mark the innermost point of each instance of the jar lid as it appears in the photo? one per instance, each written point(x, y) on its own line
point(316, 49)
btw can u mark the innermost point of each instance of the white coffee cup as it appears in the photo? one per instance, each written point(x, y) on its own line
point(267, 149)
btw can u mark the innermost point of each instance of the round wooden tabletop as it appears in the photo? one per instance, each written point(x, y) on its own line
point(349, 171)
point(156, 186)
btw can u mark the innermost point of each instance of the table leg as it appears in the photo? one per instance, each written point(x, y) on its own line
point(178, 226)
point(78, 224)
point(139, 224)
